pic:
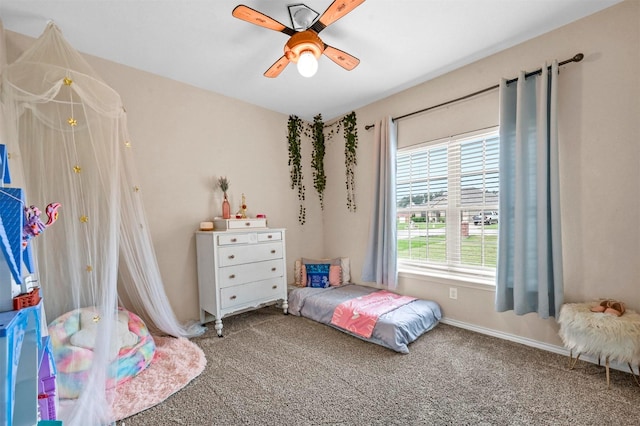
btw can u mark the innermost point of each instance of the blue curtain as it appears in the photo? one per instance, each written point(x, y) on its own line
point(380, 264)
point(529, 272)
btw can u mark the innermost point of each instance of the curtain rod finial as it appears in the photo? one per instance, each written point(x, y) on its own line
point(578, 57)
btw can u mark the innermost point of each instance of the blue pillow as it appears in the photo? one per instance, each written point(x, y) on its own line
point(318, 275)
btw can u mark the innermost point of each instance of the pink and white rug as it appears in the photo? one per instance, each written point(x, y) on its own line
point(176, 362)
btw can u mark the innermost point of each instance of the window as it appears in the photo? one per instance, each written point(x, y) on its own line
point(447, 204)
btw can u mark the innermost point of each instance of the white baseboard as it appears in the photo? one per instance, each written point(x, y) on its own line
point(529, 342)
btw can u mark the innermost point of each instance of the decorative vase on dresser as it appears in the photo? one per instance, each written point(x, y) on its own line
point(226, 207)
point(240, 268)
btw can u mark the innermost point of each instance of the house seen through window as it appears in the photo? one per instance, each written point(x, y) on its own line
point(447, 204)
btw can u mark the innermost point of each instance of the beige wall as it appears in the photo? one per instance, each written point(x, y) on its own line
point(185, 136)
point(600, 164)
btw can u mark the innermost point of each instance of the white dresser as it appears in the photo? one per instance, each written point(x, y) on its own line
point(240, 270)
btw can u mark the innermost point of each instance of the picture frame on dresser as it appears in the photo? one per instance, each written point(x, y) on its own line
point(240, 268)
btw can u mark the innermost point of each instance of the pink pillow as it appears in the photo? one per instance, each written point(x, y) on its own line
point(335, 275)
point(303, 273)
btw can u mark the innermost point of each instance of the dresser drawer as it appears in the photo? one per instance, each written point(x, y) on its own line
point(251, 292)
point(236, 224)
point(239, 238)
point(238, 255)
point(241, 274)
point(269, 236)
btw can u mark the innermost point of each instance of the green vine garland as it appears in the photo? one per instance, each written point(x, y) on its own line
point(316, 132)
point(317, 157)
point(350, 160)
point(294, 127)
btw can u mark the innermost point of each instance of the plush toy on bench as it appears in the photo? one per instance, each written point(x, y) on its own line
point(73, 338)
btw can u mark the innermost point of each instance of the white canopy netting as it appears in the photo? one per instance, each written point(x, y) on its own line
point(66, 134)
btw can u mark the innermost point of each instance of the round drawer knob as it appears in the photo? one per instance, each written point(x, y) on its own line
point(274, 287)
point(233, 297)
point(232, 257)
point(232, 276)
point(273, 252)
point(273, 269)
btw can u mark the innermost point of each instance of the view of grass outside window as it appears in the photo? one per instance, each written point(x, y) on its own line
point(447, 202)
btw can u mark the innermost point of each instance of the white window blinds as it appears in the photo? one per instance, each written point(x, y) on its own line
point(447, 201)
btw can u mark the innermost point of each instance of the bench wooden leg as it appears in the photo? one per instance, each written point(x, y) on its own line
point(607, 367)
point(634, 374)
point(572, 361)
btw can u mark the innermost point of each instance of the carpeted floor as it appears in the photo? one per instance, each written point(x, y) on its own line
point(272, 369)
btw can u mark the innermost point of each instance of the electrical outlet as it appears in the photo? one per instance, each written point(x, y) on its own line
point(453, 293)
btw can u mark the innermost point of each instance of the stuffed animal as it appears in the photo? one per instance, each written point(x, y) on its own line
point(33, 225)
point(611, 307)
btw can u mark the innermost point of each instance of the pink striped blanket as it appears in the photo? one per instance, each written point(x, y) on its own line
point(359, 315)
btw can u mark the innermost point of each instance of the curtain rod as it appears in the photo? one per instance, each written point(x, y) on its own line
point(577, 58)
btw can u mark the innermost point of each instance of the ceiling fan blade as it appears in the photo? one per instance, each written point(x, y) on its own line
point(335, 11)
point(341, 58)
point(257, 18)
point(277, 67)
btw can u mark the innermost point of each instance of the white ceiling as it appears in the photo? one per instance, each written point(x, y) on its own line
point(400, 43)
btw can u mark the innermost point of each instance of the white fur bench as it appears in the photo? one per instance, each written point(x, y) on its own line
point(603, 335)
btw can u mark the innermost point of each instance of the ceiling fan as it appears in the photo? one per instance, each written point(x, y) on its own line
point(304, 47)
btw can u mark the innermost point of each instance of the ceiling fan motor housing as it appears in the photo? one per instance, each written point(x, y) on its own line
point(303, 41)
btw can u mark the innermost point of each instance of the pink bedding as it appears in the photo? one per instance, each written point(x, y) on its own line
point(359, 315)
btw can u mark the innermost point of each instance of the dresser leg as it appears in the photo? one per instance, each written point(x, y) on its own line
point(285, 306)
point(218, 327)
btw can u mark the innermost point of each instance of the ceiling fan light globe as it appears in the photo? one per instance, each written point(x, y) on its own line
point(303, 18)
point(307, 64)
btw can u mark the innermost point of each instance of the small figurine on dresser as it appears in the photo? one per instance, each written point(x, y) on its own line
point(242, 213)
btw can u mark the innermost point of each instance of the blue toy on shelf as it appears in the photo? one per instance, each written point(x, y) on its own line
point(27, 369)
point(11, 228)
point(19, 223)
